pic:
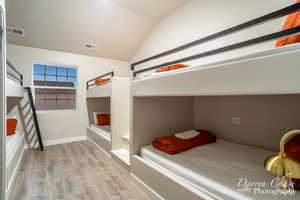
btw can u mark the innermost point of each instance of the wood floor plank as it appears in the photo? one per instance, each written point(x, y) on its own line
point(78, 170)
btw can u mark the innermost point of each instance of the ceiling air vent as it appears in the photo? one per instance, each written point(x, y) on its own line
point(15, 31)
point(91, 46)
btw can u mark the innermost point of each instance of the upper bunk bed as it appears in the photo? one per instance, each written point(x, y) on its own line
point(14, 82)
point(272, 71)
point(100, 86)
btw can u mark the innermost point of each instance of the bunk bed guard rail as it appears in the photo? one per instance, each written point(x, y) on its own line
point(15, 74)
point(260, 20)
point(93, 82)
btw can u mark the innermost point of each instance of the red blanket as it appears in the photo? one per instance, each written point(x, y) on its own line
point(173, 145)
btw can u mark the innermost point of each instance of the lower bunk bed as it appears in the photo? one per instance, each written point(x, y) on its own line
point(221, 170)
point(101, 135)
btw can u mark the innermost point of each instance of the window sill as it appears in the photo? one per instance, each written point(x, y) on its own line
point(55, 111)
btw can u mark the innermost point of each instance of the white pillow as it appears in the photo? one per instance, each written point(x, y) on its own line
point(11, 117)
point(95, 116)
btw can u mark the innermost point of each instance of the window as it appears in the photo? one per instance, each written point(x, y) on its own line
point(55, 87)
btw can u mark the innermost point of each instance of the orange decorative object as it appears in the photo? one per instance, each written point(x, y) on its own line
point(103, 119)
point(105, 81)
point(172, 145)
point(292, 149)
point(11, 126)
point(292, 20)
point(171, 67)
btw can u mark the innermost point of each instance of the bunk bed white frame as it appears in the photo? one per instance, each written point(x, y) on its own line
point(98, 135)
point(268, 72)
point(118, 93)
point(99, 91)
point(96, 91)
point(14, 82)
point(13, 89)
point(14, 144)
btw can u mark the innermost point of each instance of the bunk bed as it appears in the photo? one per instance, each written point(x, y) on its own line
point(14, 93)
point(14, 82)
point(271, 71)
point(98, 96)
point(110, 94)
point(210, 171)
point(14, 142)
point(99, 86)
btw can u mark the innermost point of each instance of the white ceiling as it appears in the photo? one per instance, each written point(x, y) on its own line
point(118, 27)
point(156, 9)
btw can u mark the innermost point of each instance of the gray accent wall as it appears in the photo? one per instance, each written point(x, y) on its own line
point(160, 116)
point(263, 119)
point(97, 105)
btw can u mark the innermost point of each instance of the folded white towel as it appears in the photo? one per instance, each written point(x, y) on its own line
point(187, 134)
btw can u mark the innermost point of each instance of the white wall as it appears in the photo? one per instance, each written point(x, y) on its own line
point(64, 124)
point(199, 18)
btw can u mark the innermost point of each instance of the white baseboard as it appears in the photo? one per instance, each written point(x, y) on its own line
point(64, 140)
point(14, 175)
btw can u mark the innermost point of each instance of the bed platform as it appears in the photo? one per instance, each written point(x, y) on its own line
point(14, 89)
point(211, 171)
point(101, 135)
point(98, 90)
point(268, 72)
point(14, 82)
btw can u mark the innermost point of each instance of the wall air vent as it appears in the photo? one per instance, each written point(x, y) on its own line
point(91, 46)
point(15, 31)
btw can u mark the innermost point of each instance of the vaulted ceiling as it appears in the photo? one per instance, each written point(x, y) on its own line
point(117, 27)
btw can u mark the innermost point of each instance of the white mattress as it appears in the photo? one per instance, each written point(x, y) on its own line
point(257, 54)
point(217, 168)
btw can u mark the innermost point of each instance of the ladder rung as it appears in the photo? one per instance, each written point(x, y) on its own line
point(26, 114)
point(35, 143)
point(28, 122)
point(28, 132)
point(35, 119)
point(32, 137)
point(26, 104)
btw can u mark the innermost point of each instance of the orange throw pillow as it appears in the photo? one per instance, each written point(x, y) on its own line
point(105, 81)
point(103, 119)
point(292, 20)
point(172, 67)
point(11, 126)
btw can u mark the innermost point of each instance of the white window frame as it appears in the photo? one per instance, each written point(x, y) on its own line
point(54, 87)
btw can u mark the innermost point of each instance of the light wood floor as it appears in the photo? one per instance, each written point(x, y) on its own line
point(75, 171)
